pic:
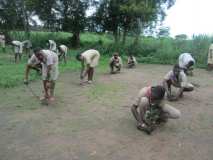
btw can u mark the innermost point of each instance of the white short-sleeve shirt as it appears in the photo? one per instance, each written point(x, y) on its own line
point(91, 57)
point(51, 58)
point(182, 79)
point(18, 46)
point(52, 45)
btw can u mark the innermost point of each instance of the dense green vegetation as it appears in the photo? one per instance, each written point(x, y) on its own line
point(149, 50)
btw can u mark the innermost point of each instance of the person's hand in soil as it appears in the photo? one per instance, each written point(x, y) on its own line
point(143, 127)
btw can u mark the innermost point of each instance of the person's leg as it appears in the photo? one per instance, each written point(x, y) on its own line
point(167, 85)
point(52, 89)
point(171, 112)
point(19, 56)
point(188, 88)
point(131, 65)
point(91, 73)
point(111, 67)
point(46, 89)
point(210, 67)
point(16, 56)
point(65, 58)
point(88, 74)
point(118, 68)
point(59, 56)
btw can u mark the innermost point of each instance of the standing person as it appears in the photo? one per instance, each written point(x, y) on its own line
point(150, 109)
point(89, 60)
point(131, 62)
point(52, 45)
point(2, 41)
point(28, 46)
point(49, 61)
point(62, 52)
point(18, 50)
point(210, 57)
point(115, 62)
point(186, 62)
point(178, 79)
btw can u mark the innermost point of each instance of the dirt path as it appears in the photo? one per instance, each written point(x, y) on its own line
point(92, 122)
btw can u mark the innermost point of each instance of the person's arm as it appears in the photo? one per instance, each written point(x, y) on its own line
point(144, 104)
point(111, 60)
point(83, 70)
point(183, 83)
point(128, 61)
point(168, 91)
point(179, 93)
point(32, 61)
point(135, 61)
point(166, 79)
point(120, 61)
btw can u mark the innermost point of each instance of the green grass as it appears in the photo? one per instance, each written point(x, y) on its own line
point(13, 74)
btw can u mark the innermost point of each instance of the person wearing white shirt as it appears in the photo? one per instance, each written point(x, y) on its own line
point(115, 62)
point(52, 45)
point(62, 52)
point(89, 60)
point(131, 62)
point(178, 79)
point(210, 57)
point(28, 47)
point(186, 62)
point(2, 41)
point(18, 50)
point(49, 61)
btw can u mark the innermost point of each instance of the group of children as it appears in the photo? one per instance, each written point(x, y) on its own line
point(149, 108)
point(20, 46)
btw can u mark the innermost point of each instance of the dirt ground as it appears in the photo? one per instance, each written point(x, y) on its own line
point(93, 122)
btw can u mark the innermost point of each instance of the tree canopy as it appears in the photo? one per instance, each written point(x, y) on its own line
point(120, 17)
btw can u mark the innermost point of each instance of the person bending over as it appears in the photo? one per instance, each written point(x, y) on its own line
point(89, 60)
point(49, 61)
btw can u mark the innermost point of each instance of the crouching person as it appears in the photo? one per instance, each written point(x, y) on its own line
point(178, 79)
point(115, 63)
point(49, 62)
point(131, 62)
point(150, 109)
point(186, 63)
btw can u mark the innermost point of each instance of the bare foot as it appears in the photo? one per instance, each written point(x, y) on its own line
point(89, 82)
point(52, 99)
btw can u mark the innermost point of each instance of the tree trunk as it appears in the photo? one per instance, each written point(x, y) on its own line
point(25, 20)
point(124, 36)
point(115, 34)
point(76, 39)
